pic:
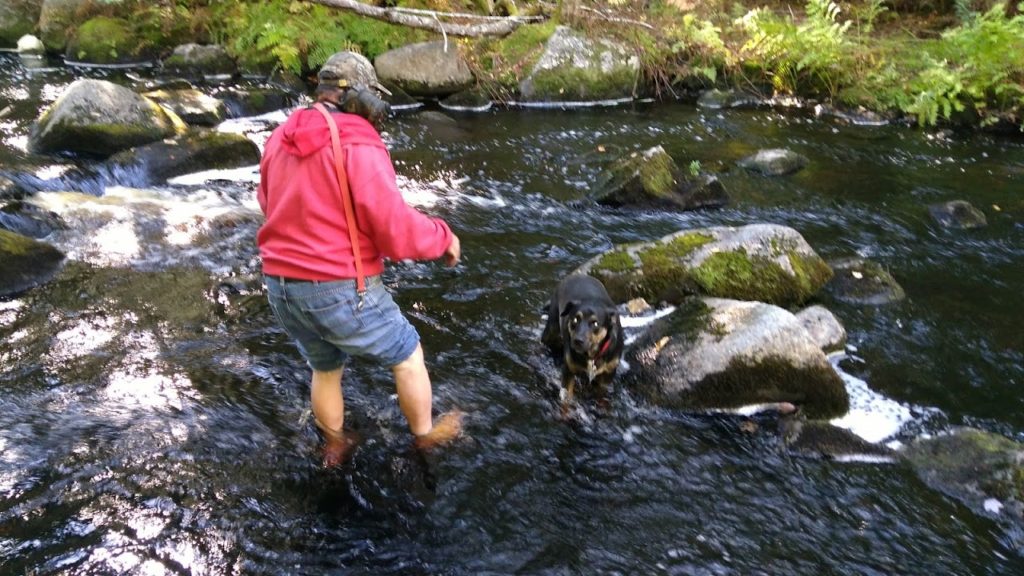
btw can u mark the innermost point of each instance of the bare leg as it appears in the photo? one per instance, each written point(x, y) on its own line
point(329, 411)
point(415, 398)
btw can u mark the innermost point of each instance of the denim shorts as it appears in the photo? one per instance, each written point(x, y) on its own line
point(328, 325)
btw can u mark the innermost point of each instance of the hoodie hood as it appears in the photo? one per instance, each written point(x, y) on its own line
point(306, 132)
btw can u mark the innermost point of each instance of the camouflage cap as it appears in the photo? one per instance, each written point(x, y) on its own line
point(350, 69)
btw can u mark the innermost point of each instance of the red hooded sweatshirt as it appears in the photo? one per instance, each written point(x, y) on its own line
point(305, 235)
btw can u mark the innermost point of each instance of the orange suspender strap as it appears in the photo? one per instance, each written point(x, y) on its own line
point(346, 198)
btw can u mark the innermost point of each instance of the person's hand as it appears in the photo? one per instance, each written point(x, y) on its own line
point(453, 252)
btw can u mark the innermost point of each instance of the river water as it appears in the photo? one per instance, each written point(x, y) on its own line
point(153, 416)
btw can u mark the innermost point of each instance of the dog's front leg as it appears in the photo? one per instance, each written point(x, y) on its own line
point(568, 391)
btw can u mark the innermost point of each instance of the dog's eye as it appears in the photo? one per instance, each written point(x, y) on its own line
point(593, 324)
point(575, 321)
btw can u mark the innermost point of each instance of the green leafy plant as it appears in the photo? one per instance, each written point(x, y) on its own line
point(812, 56)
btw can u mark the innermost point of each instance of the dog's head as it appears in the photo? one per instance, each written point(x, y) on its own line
point(586, 328)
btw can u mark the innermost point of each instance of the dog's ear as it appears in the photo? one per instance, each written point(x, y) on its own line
point(570, 308)
point(613, 315)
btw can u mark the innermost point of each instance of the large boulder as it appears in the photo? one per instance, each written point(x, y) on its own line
point(425, 69)
point(192, 106)
point(981, 470)
point(17, 18)
point(652, 179)
point(575, 68)
point(201, 60)
point(99, 118)
point(56, 17)
point(763, 262)
point(194, 152)
point(713, 354)
point(25, 263)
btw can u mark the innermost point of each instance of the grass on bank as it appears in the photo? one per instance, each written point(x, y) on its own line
point(858, 53)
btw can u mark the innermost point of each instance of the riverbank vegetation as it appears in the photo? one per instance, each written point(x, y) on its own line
point(935, 61)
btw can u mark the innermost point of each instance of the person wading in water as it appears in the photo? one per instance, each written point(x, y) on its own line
point(333, 213)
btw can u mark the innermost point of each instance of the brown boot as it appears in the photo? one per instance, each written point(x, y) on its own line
point(338, 446)
point(447, 428)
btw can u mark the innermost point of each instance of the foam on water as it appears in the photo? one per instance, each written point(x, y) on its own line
point(128, 226)
point(872, 416)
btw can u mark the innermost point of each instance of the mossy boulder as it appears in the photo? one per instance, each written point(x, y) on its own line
point(201, 60)
point(981, 470)
point(192, 106)
point(574, 68)
point(958, 214)
point(193, 152)
point(104, 40)
point(17, 18)
point(652, 179)
point(860, 281)
point(425, 69)
point(762, 262)
point(715, 354)
point(25, 263)
point(774, 162)
point(99, 118)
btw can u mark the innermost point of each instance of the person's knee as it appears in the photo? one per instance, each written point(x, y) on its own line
point(413, 362)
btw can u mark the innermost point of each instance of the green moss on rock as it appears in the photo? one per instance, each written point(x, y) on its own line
point(25, 262)
point(103, 40)
point(568, 84)
point(740, 276)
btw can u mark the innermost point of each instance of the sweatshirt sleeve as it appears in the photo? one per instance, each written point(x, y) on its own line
point(399, 231)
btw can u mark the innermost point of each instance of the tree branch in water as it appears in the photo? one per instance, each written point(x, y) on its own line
point(431, 20)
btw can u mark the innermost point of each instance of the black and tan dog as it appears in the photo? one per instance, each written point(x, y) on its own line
point(583, 326)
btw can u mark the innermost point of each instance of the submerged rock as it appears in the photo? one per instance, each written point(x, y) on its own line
point(958, 214)
point(774, 162)
point(651, 179)
point(241, 102)
point(425, 69)
point(860, 281)
point(25, 263)
point(763, 262)
point(468, 100)
point(28, 220)
point(713, 354)
point(99, 118)
point(186, 154)
point(983, 471)
point(715, 99)
point(574, 68)
point(823, 440)
point(191, 105)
